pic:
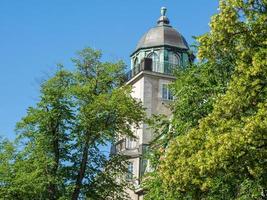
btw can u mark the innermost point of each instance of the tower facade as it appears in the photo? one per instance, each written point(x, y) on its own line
point(158, 53)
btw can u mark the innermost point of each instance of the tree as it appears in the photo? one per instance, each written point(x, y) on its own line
point(223, 154)
point(106, 110)
point(43, 143)
point(7, 152)
point(196, 87)
point(60, 148)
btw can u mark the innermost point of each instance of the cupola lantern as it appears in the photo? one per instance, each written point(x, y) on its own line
point(161, 49)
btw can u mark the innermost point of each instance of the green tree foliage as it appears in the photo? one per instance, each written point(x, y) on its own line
point(61, 143)
point(219, 150)
point(196, 88)
point(7, 153)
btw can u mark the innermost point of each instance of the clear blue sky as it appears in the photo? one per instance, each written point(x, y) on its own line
point(36, 35)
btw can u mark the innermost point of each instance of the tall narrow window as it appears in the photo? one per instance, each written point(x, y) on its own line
point(174, 59)
point(135, 62)
point(172, 62)
point(129, 175)
point(143, 166)
point(166, 93)
point(185, 59)
point(136, 67)
point(155, 61)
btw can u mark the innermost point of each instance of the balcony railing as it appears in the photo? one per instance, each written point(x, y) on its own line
point(124, 144)
point(159, 67)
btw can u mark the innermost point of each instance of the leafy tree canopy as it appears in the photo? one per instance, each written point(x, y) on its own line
point(219, 122)
point(60, 149)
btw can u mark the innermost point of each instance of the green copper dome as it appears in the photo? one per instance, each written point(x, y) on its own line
point(162, 35)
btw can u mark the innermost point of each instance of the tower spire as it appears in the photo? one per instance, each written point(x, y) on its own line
point(163, 11)
point(163, 20)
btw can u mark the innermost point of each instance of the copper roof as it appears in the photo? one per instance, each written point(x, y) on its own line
point(162, 35)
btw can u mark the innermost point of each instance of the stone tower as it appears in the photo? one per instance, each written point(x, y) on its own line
point(158, 53)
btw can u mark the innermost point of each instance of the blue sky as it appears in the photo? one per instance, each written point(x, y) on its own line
point(36, 35)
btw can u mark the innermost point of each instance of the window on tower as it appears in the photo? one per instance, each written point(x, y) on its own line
point(185, 59)
point(129, 175)
point(171, 61)
point(166, 93)
point(136, 67)
point(174, 59)
point(155, 61)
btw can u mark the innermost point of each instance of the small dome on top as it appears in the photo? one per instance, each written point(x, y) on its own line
point(162, 35)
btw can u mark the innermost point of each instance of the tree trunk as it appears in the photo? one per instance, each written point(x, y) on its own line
point(81, 173)
point(52, 188)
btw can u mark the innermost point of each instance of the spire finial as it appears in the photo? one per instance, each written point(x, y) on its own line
point(163, 11)
point(163, 20)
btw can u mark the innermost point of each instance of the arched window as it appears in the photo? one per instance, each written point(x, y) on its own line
point(155, 61)
point(174, 59)
point(136, 62)
point(136, 67)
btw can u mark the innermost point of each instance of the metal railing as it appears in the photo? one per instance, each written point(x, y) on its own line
point(159, 67)
point(123, 145)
